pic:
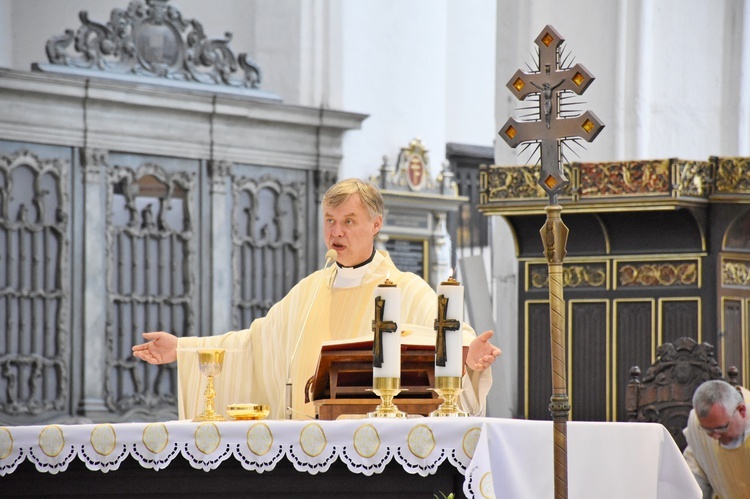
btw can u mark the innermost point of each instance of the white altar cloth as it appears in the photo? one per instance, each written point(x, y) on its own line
point(498, 457)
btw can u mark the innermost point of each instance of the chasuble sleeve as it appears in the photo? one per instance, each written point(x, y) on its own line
point(255, 362)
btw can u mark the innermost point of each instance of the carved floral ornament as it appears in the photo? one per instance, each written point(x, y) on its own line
point(654, 178)
point(735, 273)
point(153, 39)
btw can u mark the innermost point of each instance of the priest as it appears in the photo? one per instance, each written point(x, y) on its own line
point(718, 440)
point(339, 300)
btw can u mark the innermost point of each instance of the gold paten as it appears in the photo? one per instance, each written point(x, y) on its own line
point(386, 389)
point(243, 412)
point(210, 360)
point(448, 388)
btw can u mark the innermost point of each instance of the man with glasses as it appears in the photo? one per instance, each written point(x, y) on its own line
point(718, 450)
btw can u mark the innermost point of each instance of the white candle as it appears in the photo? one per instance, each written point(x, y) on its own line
point(454, 291)
point(391, 341)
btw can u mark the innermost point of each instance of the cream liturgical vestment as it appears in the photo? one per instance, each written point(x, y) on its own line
point(257, 359)
point(719, 470)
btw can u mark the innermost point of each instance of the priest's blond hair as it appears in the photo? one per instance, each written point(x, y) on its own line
point(368, 193)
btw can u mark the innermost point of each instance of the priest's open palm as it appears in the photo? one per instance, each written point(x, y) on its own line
point(482, 353)
point(160, 349)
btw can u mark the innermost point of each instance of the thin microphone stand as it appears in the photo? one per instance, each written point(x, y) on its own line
point(330, 257)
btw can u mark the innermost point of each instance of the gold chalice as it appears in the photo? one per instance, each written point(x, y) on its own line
point(211, 361)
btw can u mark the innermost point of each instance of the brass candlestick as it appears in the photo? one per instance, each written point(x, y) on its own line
point(211, 361)
point(386, 389)
point(448, 388)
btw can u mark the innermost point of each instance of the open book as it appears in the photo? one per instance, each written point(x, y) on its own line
point(413, 337)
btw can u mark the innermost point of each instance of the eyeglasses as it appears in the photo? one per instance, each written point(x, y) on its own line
point(723, 428)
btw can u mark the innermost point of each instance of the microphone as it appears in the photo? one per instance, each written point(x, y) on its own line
point(331, 256)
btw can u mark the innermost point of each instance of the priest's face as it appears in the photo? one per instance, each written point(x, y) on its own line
point(350, 230)
point(722, 425)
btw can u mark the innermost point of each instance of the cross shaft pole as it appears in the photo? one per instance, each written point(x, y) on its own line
point(550, 131)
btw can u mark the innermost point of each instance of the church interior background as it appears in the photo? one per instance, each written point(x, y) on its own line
point(130, 205)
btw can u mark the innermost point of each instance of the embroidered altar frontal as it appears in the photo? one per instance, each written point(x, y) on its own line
point(494, 457)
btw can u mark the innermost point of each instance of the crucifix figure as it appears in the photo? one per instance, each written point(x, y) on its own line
point(442, 324)
point(550, 131)
point(379, 326)
point(547, 96)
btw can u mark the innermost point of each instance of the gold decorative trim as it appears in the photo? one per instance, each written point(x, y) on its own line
point(657, 273)
point(421, 441)
point(735, 273)
point(693, 178)
point(486, 486)
point(6, 443)
point(667, 184)
point(155, 437)
point(366, 441)
point(207, 438)
point(470, 441)
point(51, 440)
point(259, 439)
point(732, 175)
point(103, 439)
point(592, 275)
point(312, 439)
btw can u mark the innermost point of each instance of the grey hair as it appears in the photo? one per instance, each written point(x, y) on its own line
point(715, 392)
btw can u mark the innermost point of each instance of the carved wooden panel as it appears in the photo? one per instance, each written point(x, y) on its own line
point(588, 359)
point(633, 345)
point(152, 274)
point(680, 317)
point(537, 376)
point(268, 240)
point(731, 342)
point(34, 280)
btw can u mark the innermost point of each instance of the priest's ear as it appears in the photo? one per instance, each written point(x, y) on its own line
point(377, 224)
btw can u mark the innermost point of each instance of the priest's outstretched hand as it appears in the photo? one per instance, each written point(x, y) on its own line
point(160, 349)
point(482, 353)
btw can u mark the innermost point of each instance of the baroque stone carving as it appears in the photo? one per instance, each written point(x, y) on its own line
point(153, 39)
point(267, 244)
point(34, 286)
point(151, 279)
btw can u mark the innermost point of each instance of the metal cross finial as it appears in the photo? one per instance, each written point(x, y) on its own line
point(442, 324)
point(551, 129)
point(379, 326)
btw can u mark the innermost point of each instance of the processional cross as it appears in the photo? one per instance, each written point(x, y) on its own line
point(442, 324)
point(550, 131)
point(379, 326)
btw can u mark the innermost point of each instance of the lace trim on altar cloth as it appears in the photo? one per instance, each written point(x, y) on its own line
point(366, 446)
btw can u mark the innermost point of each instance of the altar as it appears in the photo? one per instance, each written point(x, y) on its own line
point(415, 457)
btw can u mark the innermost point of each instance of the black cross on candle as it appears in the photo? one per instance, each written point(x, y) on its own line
point(442, 324)
point(379, 326)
